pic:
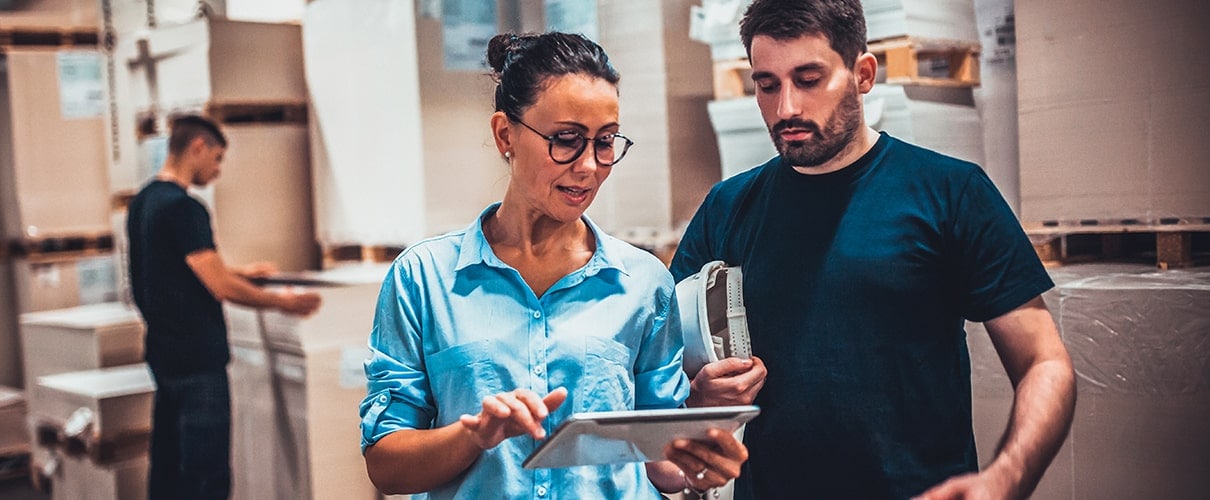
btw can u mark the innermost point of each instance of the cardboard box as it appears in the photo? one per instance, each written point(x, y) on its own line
point(368, 155)
point(208, 62)
point(945, 19)
point(77, 478)
point(80, 338)
point(10, 346)
point(743, 138)
point(1112, 148)
point(941, 119)
point(52, 165)
point(262, 201)
point(60, 281)
point(52, 14)
point(296, 383)
point(119, 398)
point(13, 438)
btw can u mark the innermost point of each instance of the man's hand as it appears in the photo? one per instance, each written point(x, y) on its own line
point(302, 304)
point(982, 486)
point(256, 270)
point(510, 414)
point(728, 382)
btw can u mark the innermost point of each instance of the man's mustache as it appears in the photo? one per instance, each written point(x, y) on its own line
point(796, 123)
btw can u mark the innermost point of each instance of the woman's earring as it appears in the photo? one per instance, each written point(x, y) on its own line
point(508, 154)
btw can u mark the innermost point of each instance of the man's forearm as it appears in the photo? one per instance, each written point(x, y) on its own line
point(1043, 407)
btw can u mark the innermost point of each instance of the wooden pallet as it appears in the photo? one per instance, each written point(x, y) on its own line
point(100, 450)
point(732, 78)
point(268, 112)
point(1168, 243)
point(14, 464)
point(12, 38)
point(61, 245)
point(334, 255)
point(903, 56)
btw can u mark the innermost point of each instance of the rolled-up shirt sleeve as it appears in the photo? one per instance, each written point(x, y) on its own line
point(398, 395)
point(659, 376)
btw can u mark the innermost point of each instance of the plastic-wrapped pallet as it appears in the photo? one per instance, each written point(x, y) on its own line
point(1137, 338)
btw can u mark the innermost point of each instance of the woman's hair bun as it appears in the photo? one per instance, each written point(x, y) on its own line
point(499, 48)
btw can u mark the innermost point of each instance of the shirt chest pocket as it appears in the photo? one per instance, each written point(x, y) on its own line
point(608, 381)
point(461, 376)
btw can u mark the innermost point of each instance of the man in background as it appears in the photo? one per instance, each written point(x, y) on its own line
point(179, 282)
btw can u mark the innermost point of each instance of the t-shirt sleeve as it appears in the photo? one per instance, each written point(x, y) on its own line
point(190, 227)
point(999, 269)
point(694, 250)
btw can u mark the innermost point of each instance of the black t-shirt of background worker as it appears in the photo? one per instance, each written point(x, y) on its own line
point(186, 332)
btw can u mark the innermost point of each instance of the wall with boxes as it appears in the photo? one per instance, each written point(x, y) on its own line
point(1112, 110)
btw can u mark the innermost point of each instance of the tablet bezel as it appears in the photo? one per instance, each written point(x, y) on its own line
point(654, 429)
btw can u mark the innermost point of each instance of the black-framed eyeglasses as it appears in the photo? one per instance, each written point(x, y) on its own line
point(567, 146)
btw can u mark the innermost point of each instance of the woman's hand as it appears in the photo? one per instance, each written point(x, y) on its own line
point(509, 414)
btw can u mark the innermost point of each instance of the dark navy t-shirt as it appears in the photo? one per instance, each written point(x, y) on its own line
point(856, 285)
point(186, 332)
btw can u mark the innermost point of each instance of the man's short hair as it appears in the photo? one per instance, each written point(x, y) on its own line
point(186, 128)
point(841, 21)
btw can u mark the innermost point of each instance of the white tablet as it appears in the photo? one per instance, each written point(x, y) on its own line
point(616, 437)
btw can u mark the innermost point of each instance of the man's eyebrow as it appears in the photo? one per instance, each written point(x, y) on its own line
point(811, 66)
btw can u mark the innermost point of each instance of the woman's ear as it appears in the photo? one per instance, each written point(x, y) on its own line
point(501, 129)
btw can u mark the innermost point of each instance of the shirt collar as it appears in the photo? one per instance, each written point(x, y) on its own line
point(476, 250)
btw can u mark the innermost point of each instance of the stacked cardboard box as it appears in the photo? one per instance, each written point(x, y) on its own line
point(106, 416)
point(13, 410)
point(1113, 148)
point(296, 383)
point(948, 19)
point(261, 207)
point(369, 161)
point(51, 15)
point(664, 90)
point(52, 186)
point(52, 163)
point(73, 341)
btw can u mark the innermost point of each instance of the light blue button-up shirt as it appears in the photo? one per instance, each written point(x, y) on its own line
point(454, 324)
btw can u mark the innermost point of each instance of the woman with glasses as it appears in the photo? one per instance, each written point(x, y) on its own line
point(485, 339)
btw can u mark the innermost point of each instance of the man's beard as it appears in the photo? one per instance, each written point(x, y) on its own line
point(823, 145)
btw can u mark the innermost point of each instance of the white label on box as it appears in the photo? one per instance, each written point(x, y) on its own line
point(572, 16)
point(81, 90)
point(466, 28)
point(352, 367)
point(98, 280)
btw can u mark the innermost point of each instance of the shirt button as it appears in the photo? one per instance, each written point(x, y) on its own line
point(541, 491)
point(537, 314)
point(383, 398)
point(538, 370)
